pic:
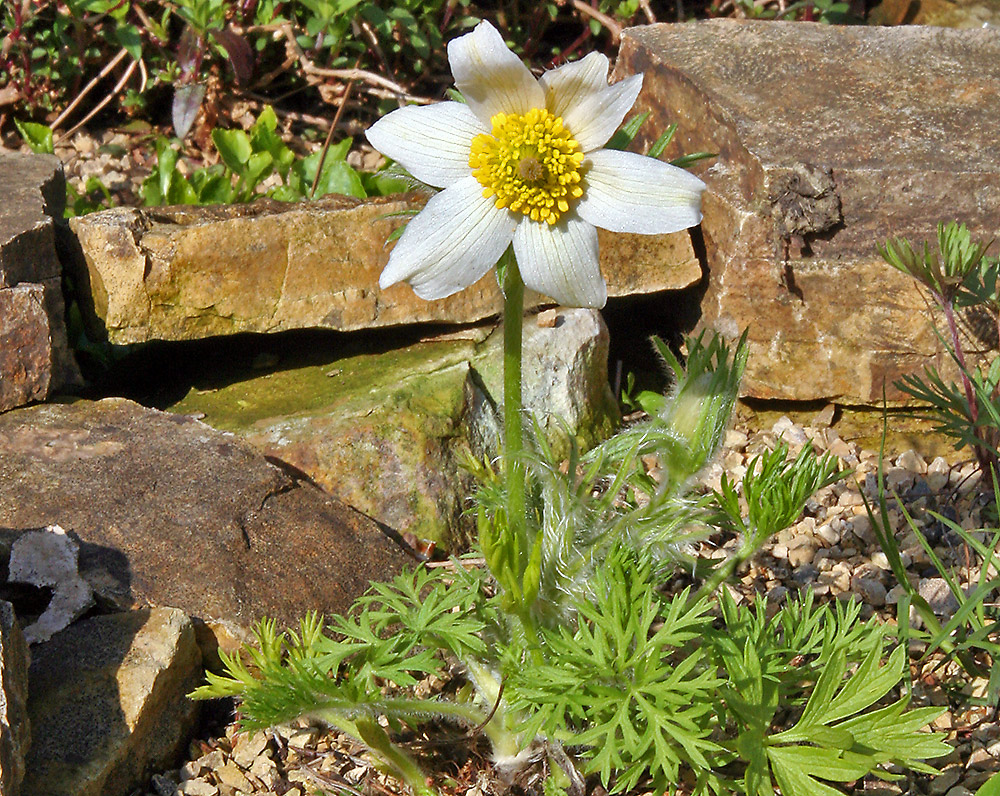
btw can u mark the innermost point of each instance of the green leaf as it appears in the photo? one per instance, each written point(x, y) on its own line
point(234, 148)
point(991, 787)
point(831, 764)
point(627, 132)
point(217, 189)
point(36, 136)
point(794, 782)
point(663, 141)
point(684, 161)
point(179, 190)
point(130, 39)
point(337, 177)
point(868, 684)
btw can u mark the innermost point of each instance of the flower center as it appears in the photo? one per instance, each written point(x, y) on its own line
point(530, 163)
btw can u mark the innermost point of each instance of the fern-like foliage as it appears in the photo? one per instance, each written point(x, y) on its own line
point(570, 647)
point(775, 490)
point(338, 676)
point(801, 656)
point(625, 683)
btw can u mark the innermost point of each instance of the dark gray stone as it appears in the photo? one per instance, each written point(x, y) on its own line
point(171, 512)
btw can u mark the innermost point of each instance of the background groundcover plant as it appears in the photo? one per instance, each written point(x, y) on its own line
point(574, 660)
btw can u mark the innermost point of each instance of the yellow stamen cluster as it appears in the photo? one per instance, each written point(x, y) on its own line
point(530, 163)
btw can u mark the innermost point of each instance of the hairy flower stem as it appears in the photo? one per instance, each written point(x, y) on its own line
point(985, 459)
point(513, 318)
point(956, 342)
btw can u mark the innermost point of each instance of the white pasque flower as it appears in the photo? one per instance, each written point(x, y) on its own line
point(522, 162)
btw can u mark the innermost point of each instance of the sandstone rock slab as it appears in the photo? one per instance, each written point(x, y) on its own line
point(186, 273)
point(388, 432)
point(171, 512)
point(26, 356)
point(15, 727)
point(943, 13)
point(830, 140)
point(35, 358)
point(108, 702)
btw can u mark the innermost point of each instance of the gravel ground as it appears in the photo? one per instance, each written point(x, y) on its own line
point(831, 550)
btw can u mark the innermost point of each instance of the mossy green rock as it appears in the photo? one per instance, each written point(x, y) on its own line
point(387, 433)
point(380, 431)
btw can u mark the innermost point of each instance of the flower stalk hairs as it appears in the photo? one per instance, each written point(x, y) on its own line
point(525, 183)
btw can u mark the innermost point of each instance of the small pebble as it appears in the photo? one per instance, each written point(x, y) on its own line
point(247, 747)
point(937, 474)
point(945, 781)
point(789, 432)
point(163, 786)
point(736, 439)
point(824, 418)
point(231, 775)
point(198, 787)
point(939, 596)
point(801, 551)
point(912, 461)
point(547, 319)
point(981, 759)
point(870, 590)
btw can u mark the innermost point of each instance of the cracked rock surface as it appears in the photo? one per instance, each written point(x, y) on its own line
point(171, 512)
point(883, 135)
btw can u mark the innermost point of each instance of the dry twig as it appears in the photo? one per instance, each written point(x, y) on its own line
point(87, 88)
point(613, 27)
point(97, 108)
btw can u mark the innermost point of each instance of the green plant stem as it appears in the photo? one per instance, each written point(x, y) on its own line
point(513, 318)
point(721, 574)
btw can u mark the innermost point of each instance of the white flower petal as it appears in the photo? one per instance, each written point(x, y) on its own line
point(491, 78)
point(431, 142)
point(560, 261)
point(591, 109)
point(571, 83)
point(626, 192)
point(451, 243)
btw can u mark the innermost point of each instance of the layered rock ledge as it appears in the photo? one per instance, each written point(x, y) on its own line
point(829, 140)
point(191, 272)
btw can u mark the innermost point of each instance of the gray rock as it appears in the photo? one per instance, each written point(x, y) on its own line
point(35, 359)
point(108, 702)
point(565, 385)
point(939, 596)
point(801, 551)
point(171, 512)
point(891, 133)
point(15, 727)
point(34, 194)
point(48, 558)
point(870, 590)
